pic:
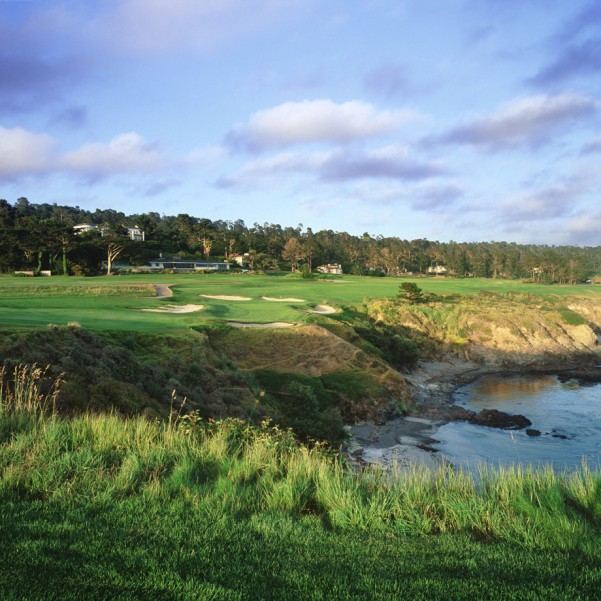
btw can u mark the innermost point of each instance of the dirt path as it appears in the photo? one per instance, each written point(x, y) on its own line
point(163, 291)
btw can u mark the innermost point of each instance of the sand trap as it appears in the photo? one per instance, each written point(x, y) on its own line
point(283, 300)
point(275, 324)
point(175, 309)
point(228, 298)
point(323, 309)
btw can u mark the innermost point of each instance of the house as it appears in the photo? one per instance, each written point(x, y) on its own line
point(83, 228)
point(178, 264)
point(240, 259)
point(136, 234)
point(437, 270)
point(335, 268)
point(133, 233)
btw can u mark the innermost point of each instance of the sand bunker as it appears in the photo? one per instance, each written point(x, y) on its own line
point(275, 324)
point(283, 300)
point(175, 309)
point(323, 309)
point(228, 298)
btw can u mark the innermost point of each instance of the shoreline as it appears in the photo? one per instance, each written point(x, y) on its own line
point(406, 441)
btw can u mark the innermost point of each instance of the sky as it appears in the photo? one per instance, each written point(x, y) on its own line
point(464, 120)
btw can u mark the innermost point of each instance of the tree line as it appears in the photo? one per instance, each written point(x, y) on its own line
point(37, 237)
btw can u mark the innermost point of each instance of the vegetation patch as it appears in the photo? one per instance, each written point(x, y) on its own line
point(572, 318)
point(127, 290)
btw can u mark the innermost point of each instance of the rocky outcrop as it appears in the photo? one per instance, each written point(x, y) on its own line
point(507, 331)
point(499, 419)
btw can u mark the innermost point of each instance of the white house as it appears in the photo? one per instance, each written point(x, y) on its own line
point(136, 234)
point(335, 268)
point(437, 270)
point(82, 228)
point(133, 233)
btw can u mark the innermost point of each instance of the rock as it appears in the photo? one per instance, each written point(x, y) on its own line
point(498, 419)
point(533, 432)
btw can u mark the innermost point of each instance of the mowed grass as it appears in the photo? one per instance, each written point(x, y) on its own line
point(103, 303)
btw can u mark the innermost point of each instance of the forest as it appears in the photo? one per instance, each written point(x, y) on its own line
point(37, 237)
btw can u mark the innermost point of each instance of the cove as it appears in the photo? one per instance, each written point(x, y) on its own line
point(566, 412)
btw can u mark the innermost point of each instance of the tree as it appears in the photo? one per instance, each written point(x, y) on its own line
point(114, 239)
point(292, 252)
point(411, 292)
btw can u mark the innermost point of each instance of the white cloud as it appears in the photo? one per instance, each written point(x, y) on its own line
point(25, 153)
point(127, 152)
point(315, 121)
point(523, 122)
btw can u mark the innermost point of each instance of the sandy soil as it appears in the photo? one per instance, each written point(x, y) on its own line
point(323, 309)
point(402, 442)
point(175, 309)
point(275, 324)
point(282, 300)
point(228, 298)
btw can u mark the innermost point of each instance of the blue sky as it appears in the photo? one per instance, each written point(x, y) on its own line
point(465, 120)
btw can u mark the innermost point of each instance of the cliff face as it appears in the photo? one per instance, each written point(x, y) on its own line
point(508, 331)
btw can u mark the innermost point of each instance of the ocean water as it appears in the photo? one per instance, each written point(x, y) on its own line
point(567, 413)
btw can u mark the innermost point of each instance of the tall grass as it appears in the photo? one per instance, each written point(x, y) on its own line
point(28, 389)
point(242, 470)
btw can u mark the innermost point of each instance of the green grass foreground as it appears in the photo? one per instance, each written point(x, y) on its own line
point(100, 507)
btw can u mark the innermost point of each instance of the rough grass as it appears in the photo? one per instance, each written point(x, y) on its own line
point(102, 507)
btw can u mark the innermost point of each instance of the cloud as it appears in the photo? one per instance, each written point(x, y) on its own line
point(436, 198)
point(388, 80)
point(159, 26)
point(24, 153)
point(40, 58)
point(385, 163)
point(574, 49)
point(575, 60)
point(125, 153)
point(592, 147)
point(524, 122)
point(315, 121)
point(584, 228)
point(73, 117)
point(554, 201)
point(26, 82)
point(336, 166)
